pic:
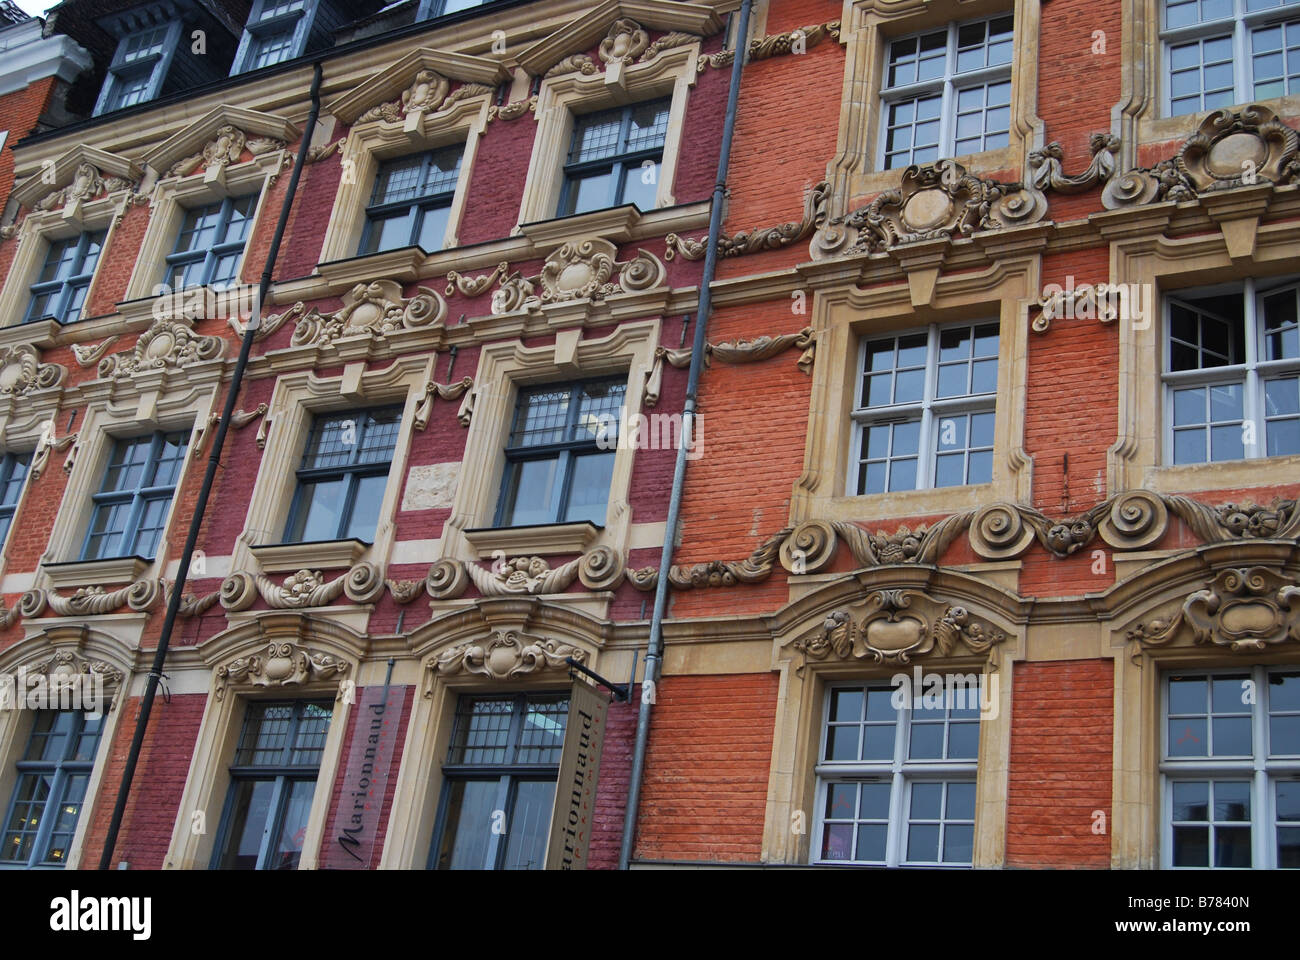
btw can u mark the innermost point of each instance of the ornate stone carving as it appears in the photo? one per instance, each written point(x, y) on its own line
point(812, 545)
point(718, 573)
point(733, 351)
point(41, 458)
point(306, 588)
point(753, 241)
point(64, 667)
point(326, 150)
point(895, 626)
point(684, 247)
point(442, 391)
point(193, 606)
point(1231, 148)
point(513, 111)
point(1231, 521)
point(166, 344)
point(93, 601)
point(1128, 521)
point(474, 286)
point(446, 580)
point(283, 664)
point(404, 591)
point(223, 150)
point(89, 354)
point(1243, 609)
point(939, 200)
point(1050, 175)
point(21, 371)
point(598, 569)
point(507, 654)
point(667, 42)
point(624, 42)
point(723, 58)
point(87, 183)
point(796, 40)
point(578, 62)
point(377, 308)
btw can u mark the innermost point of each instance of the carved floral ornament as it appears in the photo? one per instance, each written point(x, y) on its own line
point(733, 351)
point(87, 183)
point(371, 309)
point(224, 150)
point(1244, 610)
point(21, 371)
point(815, 212)
point(625, 42)
point(65, 670)
point(429, 92)
point(505, 655)
point(584, 269)
point(1231, 148)
point(168, 344)
point(895, 626)
point(282, 664)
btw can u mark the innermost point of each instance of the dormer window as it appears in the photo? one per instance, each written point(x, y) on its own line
point(277, 31)
point(138, 67)
point(429, 9)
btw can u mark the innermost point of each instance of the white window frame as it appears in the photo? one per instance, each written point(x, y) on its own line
point(902, 774)
point(1250, 374)
point(947, 84)
point(1262, 770)
point(1240, 26)
point(932, 409)
point(161, 64)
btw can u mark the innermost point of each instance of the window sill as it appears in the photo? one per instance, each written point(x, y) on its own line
point(615, 224)
point(401, 265)
point(912, 503)
point(41, 334)
point(85, 573)
point(321, 555)
point(541, 540)
point(1223, 475)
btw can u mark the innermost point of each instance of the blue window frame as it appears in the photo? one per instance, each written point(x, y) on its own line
point(138, 67)
point(60, 290)
point(560, 457)
point(51, 788)
point(615, 158)
point(13, 471)
point(411, 202)
point(343, 474)
point(131, 507)
point(272, 782)
point(211, 244)
point(504, 756)
point(440, 8)
point(276, 31)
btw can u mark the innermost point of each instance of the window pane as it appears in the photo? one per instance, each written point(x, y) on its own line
point(641, 184)
point(320, 511)
point(531, 495)
point(589, 491)
point(251, 805)
point(293, 829)
point(591, 191)
point(365, 509)
point(530, 824)
point(469, 823)
point(433, 228)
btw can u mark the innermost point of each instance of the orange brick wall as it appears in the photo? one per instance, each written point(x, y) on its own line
point(1061, 729)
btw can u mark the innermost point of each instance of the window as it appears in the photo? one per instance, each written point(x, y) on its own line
point(52, 778)
point(560, 457)
point(615, 158)
point(440, 8)
point(131, 506)
point(1231, 769)
point(925, 410)
point(272, 781)
point(1232, 381)
point(411, 202)
point(947, 92)
point(504, 756)
point(138, 67)
point(896, 784)
point(211, 244)
point(60, 290)
point(1221, 52)
point(276, 31)
point(343, 474)
point(13, 471)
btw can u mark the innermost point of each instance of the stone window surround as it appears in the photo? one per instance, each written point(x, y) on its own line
point(505, 366)
point(39, 230)
point(869, 26)
point(208, 781)
point(98, 428)
point(173, 196)
point(1161, 264)
point(413, 817)
point(1136, 826)
point(369, 143)
point(842, 316)
point(560, 98)
point(23, 430)
point(800, 718)
point(106, 642)
point(296, 399)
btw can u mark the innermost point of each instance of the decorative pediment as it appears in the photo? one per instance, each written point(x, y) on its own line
point(168, 344)
point(934, 201)
point(1231, 148)
point(584, 269)
point(21, 371)
point(1243, 609)
point(80, 175)
point(376, 308)
point(421, 81)
point(218, 139)
point(280, 664)
point(505, 655)
point(619, 28)
point(896, 626)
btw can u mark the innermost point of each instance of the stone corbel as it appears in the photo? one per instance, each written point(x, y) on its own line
point(1245, 610)
point(283, 664)
point(306, 588)
point(442, 391)
point(506, 655)
point(1048, 174)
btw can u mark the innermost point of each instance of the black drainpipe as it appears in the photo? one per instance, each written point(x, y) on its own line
point(654, 651)
point(214, 460)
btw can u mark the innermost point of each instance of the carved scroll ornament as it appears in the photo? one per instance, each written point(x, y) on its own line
point(1244, 610)
point(598, 569)
point(1050, 175)
point(733, 351)
point(507, 654)
point(168, 344)
point(376, 308)
point(306, 588)
point(87, 183)
point(283, 664)
point(21, 371)
point(766, 238)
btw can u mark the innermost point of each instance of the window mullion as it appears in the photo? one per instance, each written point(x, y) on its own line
point(927, 465)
